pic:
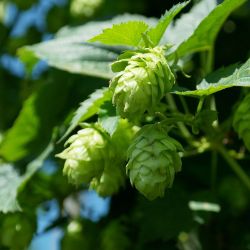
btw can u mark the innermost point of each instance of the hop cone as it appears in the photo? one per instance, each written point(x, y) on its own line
point(153, 162)
point(241, 121)
point(88, 153)
point(110, 180)
point(95, 158)
point(113, 175)
point(142, 83)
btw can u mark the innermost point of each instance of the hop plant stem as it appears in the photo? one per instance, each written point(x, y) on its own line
point(235, 166)
point(185, 132)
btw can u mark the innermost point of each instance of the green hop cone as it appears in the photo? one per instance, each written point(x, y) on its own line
point(113, 175)
point(241, 121)
point(95, 158)
point(123, 136)
point(153, 161)
point(110, 181)
point(143, 80)
point(86, 156)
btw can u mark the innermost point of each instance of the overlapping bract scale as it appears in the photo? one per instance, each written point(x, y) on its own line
point(94, 158)
point(144, 79)
point(153, 161)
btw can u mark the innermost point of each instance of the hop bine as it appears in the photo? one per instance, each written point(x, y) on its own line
point(241, 121)
point(143, 80)
point(153, 161)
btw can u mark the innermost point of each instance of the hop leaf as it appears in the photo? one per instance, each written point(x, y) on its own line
point(153, 162)
point(114, 237)
point(142, 83)
point(241, 120)
point(17, 230)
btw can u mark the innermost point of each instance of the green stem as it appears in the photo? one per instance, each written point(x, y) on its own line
point(185, 132)
point(200, 105)
point(214, 167)
point(235, 166)
point(177, 119)
point(184, 104)
point(209, 64)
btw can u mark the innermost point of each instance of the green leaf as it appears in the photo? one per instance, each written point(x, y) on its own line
point(29, 58)
point(172, 209)
point(204, 121)
point(128, 33)
point(33, 127)
point(69, 51)
point(231, 76)
point(72, 57)
point(184, 27)
point(88, 108)
point(204, 36)
point(158, 31)
point(11, 183)
point(107, 117)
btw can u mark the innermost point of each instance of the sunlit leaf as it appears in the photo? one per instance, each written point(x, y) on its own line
point(128, 33)
point(204, 35)
point(231, 76)
point(156, 33)
point(11, 182)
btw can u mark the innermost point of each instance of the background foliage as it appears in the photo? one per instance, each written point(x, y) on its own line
point(207, 208)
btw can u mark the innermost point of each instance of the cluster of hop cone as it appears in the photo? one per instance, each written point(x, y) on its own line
point(146, 154)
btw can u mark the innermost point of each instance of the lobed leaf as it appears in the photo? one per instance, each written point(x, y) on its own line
point(70, 52)
point(157, 32)
point(184, 27)
point(88, 108)
point(11, 183)
point(128, 33)
point(231, 76)
point(204, 35)
point(35, 122)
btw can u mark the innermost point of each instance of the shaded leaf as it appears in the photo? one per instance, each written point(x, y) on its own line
point(128, 33)
point(108, 118)
point(164, 218)
point(88, 108)
point(33, 127)
point(11, 183)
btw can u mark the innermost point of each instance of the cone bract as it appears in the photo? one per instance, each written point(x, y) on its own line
point(145, 79)
point(95, 158)
point(86, 156)
point(153, 161)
